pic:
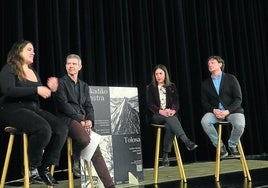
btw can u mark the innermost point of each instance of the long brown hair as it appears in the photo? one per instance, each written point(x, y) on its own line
point(14, 58)
point(167, 79)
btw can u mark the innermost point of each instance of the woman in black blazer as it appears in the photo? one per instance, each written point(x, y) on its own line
point(163, 103)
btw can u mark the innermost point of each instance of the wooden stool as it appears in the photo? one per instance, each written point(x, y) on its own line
point(240, 150)
point(177, 152)
point(70, 172)
point(13, 131)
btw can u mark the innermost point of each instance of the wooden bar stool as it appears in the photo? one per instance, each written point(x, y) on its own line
point(13, 131)
point(70, 172)
point(240, 150)
point(177, 152)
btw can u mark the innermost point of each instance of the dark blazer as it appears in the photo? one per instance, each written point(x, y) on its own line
point(230, 94)
point(153, 101)
point(68, 106)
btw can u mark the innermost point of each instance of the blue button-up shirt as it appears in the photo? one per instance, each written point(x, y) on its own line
point(217, 82)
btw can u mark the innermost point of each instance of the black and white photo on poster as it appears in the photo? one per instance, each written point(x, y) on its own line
point(124, 106)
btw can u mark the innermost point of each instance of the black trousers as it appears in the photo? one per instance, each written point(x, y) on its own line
point(47, 134)
point(172, 127)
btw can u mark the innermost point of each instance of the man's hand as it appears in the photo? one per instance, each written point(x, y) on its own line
point(221, 114)
point(87, 124)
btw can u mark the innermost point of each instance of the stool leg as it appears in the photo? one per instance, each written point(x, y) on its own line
point(5, 168)
point(89, 173)
point(52, 169)
point(69, 155)
point(218, 153)
point(156, 157)
point(26, 161)
point(243, 161)
point(179, 160)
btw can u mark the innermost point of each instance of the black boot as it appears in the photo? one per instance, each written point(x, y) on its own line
point(165, 161)
point(190, 145)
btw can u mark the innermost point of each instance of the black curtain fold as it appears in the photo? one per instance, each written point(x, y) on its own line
point(120, 41)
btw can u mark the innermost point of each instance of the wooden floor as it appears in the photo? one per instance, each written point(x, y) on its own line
point(193, 171)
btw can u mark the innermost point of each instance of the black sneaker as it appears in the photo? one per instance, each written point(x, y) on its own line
point(190, 145)
point(224, 152)
point(234, 152)
point(34, 177)
point(76, 167)
point(46, 176)
point(54, 181)
point(165, 161)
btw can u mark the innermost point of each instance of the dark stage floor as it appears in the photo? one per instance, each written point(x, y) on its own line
point(229, 180)
point(199, 175)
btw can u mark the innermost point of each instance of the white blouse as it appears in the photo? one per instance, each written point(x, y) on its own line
point(162, 97)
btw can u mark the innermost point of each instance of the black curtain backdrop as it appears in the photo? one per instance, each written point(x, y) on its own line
point(120, 41)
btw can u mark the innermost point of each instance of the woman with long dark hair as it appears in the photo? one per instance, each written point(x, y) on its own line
point(20, 89)
point(163, 103)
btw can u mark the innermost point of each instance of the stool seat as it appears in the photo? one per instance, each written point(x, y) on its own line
point(224, 122)
point(240, 150)
point(177, 152)
point(158, 125)
point(12, 132)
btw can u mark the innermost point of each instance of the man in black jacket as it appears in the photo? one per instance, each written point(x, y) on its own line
point(221, 99)
point(75, 109)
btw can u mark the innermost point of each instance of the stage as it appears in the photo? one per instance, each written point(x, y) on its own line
point(199, 175)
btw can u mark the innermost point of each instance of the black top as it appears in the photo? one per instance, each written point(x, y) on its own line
point(73, 99)
point(14, 90)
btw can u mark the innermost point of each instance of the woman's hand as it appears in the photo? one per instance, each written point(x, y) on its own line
point(170, 112)
point(167, 112)
point(43, 91)
point(52, 83)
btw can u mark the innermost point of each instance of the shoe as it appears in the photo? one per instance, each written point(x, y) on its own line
point(76, 167)
point(165, 161)
point(224, 152)
point(34, 177)
point(46, 176)
point(190, 145)
point(234, 152)
point(54, 181)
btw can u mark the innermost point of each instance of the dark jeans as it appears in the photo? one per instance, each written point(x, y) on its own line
point(81, 139)
point(172, 127)
point(47, 134)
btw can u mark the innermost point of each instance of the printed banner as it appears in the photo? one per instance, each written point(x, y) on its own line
point(117, 120)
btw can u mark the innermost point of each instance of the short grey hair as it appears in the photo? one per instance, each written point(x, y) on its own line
point(76, 57)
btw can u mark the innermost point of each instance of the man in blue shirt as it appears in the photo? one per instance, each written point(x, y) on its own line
point(221, 99)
